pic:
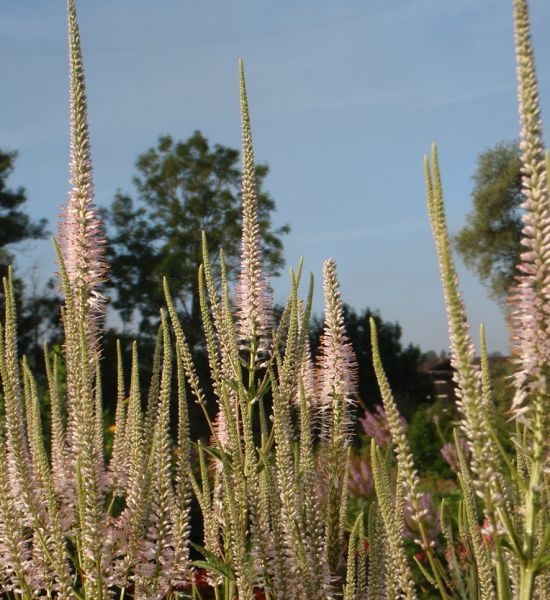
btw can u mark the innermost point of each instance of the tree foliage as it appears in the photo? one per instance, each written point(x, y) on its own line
point(183, 188)
point(489, 242)
point(15, 225)
point(38, 315)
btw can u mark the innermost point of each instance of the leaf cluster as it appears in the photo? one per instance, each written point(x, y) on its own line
point(489, 242)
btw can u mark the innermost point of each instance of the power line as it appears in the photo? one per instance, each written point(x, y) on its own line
point(222, 41)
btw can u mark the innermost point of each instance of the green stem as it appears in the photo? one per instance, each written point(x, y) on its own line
point(435, 571)
point(99, 579)
point(526, 584)
point(527, 569)
point(111, 502)
point(531, 511)
point(503, 589)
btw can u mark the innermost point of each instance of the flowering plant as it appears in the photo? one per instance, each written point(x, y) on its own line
point(272, 484)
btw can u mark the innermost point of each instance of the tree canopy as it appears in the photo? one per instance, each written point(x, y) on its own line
point(37, 313)
point(489, 241)
point(15, 224)
point(182, 188)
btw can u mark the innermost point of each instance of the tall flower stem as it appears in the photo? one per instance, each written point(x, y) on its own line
point(532, 305)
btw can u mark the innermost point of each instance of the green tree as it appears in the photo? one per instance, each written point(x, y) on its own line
point(15, 225)
point(489, 241)
point(37, 310)
point(183, 188)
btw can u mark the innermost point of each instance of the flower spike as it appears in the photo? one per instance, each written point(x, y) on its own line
point(80, 226)
point(531, 297)
point(337, 362)
point(474, 408)
point(253, 301)
point(337, 376)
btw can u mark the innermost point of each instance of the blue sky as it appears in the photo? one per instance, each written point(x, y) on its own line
point(346, 98)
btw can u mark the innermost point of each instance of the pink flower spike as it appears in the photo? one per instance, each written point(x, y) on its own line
point(80, 227)
point(530, 298)
point(252, 294)
point(336, 361)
